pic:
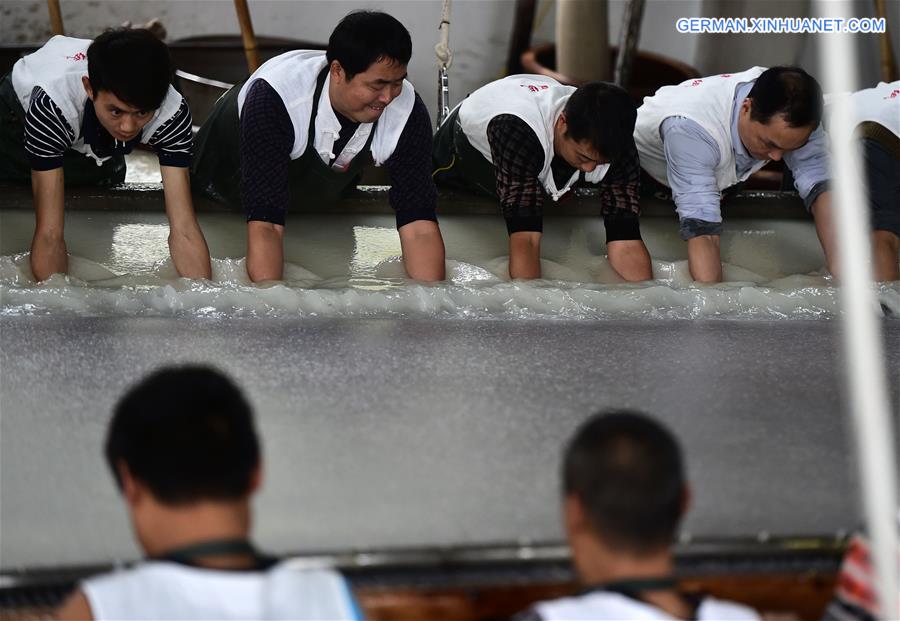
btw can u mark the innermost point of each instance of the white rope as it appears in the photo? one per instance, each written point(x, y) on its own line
point(862, 340)
point(442, 49)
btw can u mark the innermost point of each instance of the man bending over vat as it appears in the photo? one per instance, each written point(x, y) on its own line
point(624, 496)
point(526, 137)
point(704, 136)
point(300, 130)
point(875, 118)
point(184, 452)
point(70, 112)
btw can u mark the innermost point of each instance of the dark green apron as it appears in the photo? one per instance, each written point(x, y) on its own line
point(311, 181)
point(457, 163)
point(78, 168)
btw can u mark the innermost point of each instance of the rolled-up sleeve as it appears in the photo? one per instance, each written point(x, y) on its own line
point(809, 165)
point(691, 159)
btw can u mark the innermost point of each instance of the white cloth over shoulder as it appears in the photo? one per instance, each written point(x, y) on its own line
point(162, 590)
point(293, 75)
point(607, 606)
point(879, 104)
point(537, 100)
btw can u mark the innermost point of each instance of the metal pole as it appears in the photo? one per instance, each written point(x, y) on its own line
point(243, 15)
point(56, 22)
point(628, 41)
point(443, 95)
point(862, 340)
point(445, 59)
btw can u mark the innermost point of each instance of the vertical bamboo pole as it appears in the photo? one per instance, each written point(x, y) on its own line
point(582, 39)
point(56, 22)
point(243, 15)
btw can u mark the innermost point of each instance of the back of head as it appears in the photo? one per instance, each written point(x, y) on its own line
point(789, 92)
point(626, 470)
point(186, 433)
point(133, 65)
point(365, 37)
point(604, 115)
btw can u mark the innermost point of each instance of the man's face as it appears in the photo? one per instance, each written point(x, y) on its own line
point(582, 155)
point(769, 141)
point(121, 120)
point(363, 98)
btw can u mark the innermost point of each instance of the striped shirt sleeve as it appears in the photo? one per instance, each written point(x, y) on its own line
point(174, 140)
point(47, 133)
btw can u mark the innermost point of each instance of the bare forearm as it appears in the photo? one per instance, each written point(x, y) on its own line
point(823, 215)
point(186, 242)
point(525, 255)
point(886, 247)
point(704, 259)
point(48, 246)
point(423, 250)
point(190, 253)
point(630, 259)
point(265, 251)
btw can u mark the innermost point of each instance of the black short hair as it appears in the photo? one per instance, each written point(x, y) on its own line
point(626, 470)
point(133, 65)
point(365, 37)
point(604, 115)
point(787, 91)
point(187, 433)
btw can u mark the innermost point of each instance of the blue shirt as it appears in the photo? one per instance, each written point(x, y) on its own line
point(692, 156)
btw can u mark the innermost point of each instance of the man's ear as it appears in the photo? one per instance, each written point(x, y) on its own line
point(132, 490)
point(256, 478)
point(687, 497)
point(574, 515)
point(87, 87)
point(337, 71)
point(746, 105)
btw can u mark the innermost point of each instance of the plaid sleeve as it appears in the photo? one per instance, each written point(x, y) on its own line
point(518, 159)
point(620, 189)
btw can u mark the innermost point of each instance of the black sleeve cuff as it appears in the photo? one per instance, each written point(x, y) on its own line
point(621, 226)
point(405, 217)
point(692, 227)
point(273, 216)
point(819, 188)
point(177, 160)
point(517, 224)
point(45, 163)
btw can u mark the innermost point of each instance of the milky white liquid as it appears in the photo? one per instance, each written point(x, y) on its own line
point(349, 265)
